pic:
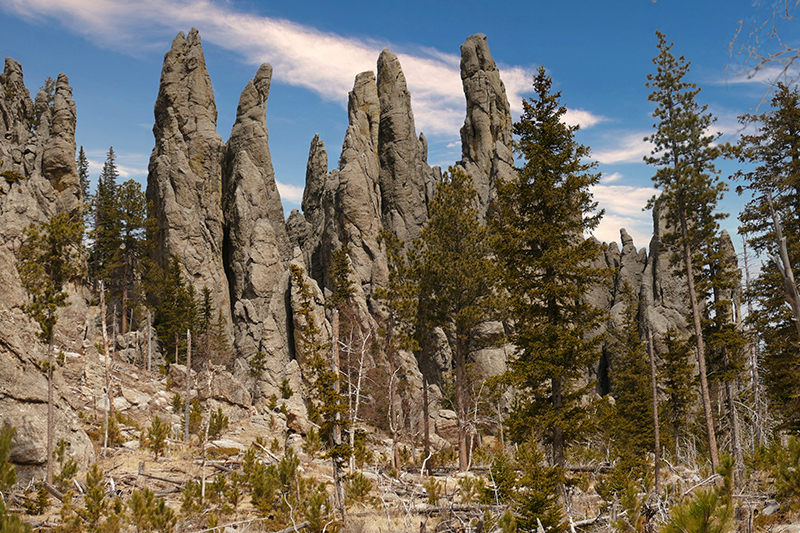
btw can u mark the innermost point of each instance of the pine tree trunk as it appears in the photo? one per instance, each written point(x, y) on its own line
point(656, 429)
point(124, 296)
point(698, 332)
point(50, 408)
point(337, 431)
point(558, 435)
point(188, 385)
point(461, 404)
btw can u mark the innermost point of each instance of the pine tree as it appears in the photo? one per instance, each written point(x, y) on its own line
point(10, 523)
point(633, 433)
point(82, 163)
point(541, 217)
point(47, 260)
point(774, 151)
point(176, 311)
point(107, 230)
point(457, 275)
point(690, 188)
point(328, 402)
point(679, 387)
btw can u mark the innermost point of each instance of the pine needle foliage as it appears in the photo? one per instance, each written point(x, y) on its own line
point(47, 260)
point(773, 156)
point(683, 154)
point(330, 406)
point(541, 217)
point(456, 274)
point(632, 426)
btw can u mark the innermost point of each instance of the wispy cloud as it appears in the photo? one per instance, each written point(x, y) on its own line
point(581, 117)
point(129, 165)
point(630, 148)
point(624, 207)
point(322, 62)
point(291, 194)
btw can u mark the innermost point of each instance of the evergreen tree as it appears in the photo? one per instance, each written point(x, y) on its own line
point(176, 311)
point(8, 476)
point(82, 163)
point(679, 387)
point(774, 152)
point(131, 207)
point(329, 406)
point(632, 432)
point(541, 217)
point(457, 275)
point(690, 188)
point(107, 225)
point(47, 260)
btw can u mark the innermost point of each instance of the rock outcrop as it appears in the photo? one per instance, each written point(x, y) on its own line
point(406, 179)
point(219, 211)
point(184, 181)
point(487, 132)
point(255, 246)
point(39, 179)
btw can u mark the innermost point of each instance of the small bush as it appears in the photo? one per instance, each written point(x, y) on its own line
point(312, 445)
point(358, 487)
point(157, 436)
point(433, 488)
point(217, 423)
point(286, 389)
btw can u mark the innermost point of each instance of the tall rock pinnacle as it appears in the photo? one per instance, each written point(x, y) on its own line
point(405, 176)
point(255, 245)
point(184, 181)
point(487, 132)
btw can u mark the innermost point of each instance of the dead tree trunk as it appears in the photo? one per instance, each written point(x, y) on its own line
point(656, 430)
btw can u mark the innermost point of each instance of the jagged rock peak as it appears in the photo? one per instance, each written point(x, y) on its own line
point(363, 106)
point(186, 87)
point(251, 190)
point(487, 132)
point(404, 175)
point(58, 161)
point(316, 168)
point(184, 181)
point(16, 106)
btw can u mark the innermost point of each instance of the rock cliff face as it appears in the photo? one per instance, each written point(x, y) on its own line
point(185, 173)
point(39, 179)
point(255, 245)
point(487, 132)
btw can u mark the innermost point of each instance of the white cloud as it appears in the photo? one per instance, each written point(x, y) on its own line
point(581, 117)
point(624, 206)
point(129, 165)
point(610, 178)
point(322, 62)
point(291, 194)
point(765, 76)
point(631, 148)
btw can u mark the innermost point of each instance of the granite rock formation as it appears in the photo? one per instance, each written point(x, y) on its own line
point(487, 132)
point(39, 179)
point(184, 181)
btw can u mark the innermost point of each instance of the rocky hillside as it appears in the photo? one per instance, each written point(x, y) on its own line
point(219, 211)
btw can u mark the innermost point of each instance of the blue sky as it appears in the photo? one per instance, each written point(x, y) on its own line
point(598, 54)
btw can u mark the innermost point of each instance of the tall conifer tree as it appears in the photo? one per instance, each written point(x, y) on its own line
point(774, 151)
point(457, 274)
point(540, 220)
point(48, 259)
point(684, 155)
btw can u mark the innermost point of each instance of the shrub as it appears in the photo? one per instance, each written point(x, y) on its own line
point(433, 488)
point(157, 436)
point(217, 423)
point(358, 487)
